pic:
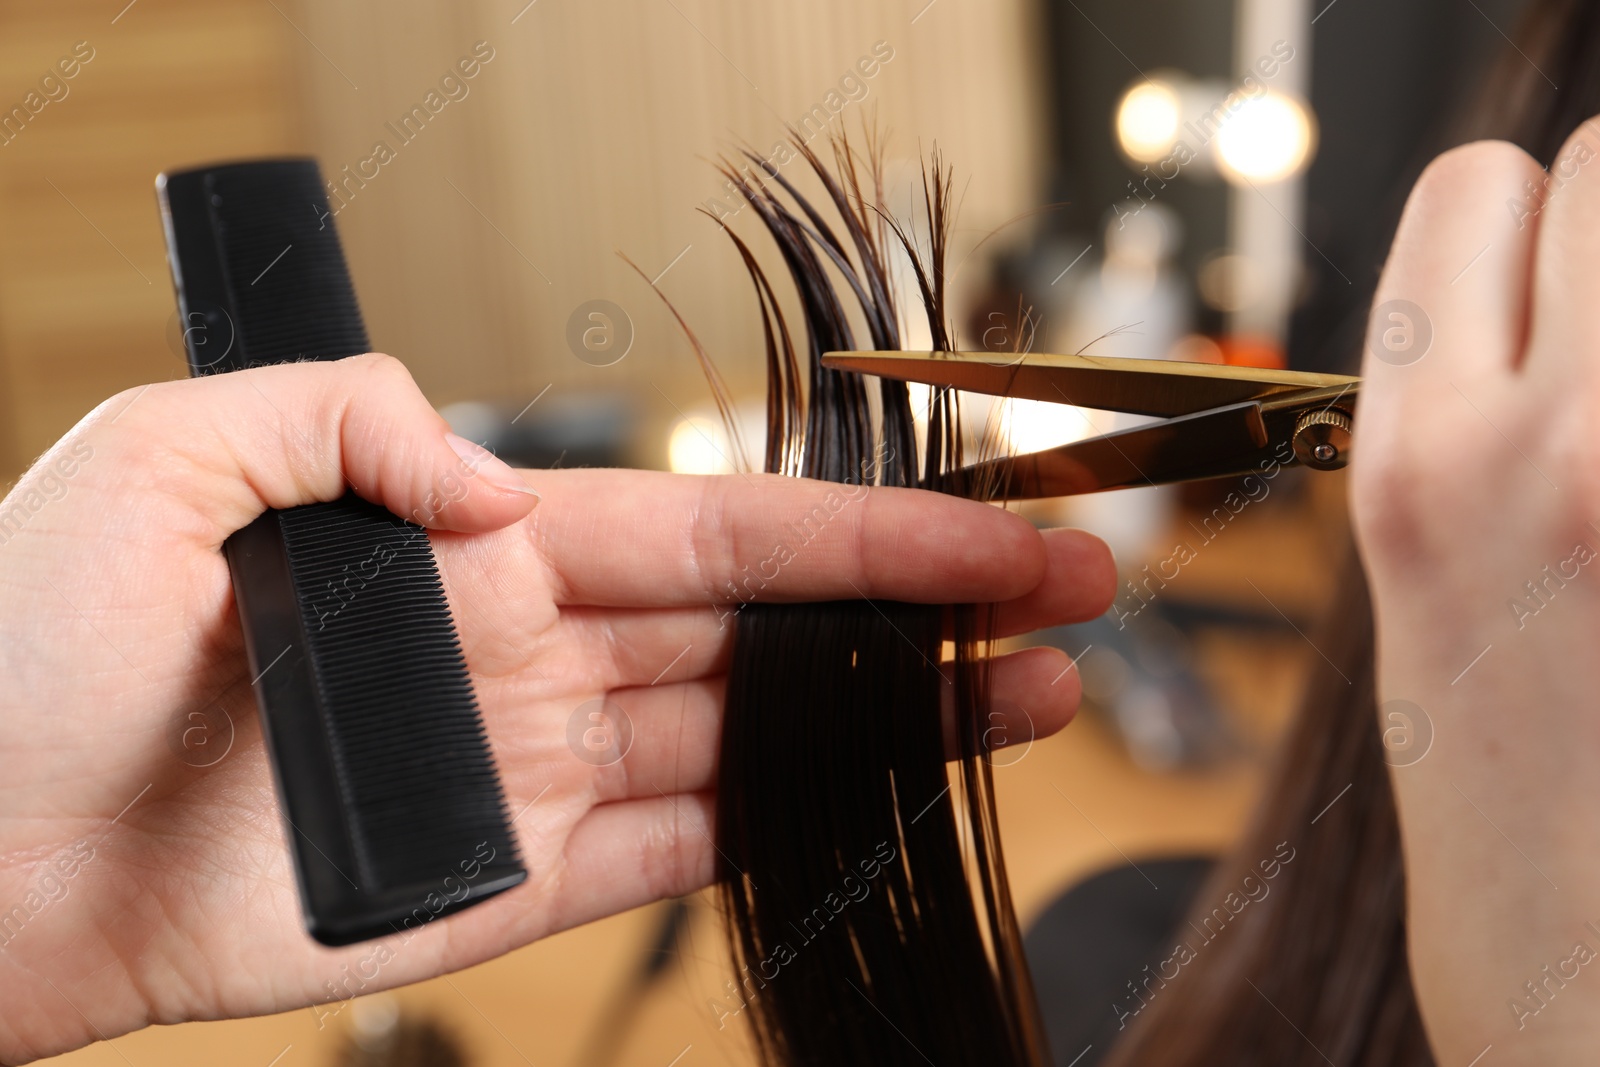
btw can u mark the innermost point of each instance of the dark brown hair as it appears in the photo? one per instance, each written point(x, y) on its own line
point(865, 891)
point(1316, 970)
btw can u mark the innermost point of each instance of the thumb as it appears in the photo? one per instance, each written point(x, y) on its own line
point(232, 445)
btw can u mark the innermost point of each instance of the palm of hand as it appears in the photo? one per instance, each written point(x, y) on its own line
point(155, 773)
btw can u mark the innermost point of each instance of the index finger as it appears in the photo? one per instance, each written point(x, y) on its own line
point(621, 538)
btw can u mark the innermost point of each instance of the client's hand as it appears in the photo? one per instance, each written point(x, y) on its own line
point(144, 876)
point(1477, 497)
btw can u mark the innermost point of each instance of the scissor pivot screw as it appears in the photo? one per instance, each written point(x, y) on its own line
point(1322, 439)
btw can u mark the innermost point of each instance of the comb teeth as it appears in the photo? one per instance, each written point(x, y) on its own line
point(408, 743)
point(394, 809)
point(291, 290)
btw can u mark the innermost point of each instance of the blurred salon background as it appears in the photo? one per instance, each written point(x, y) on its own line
point(1210, 180)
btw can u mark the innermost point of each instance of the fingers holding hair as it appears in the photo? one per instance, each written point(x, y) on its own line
point(646, 539)
point(673, 729)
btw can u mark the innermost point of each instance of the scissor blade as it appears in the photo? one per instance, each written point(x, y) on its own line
point(1139, 386)
point(1226, 441)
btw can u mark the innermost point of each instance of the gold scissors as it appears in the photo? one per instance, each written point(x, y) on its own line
point(1215, 421)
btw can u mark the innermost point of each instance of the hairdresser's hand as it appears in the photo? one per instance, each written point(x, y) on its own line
point(1477, 504)
point(143, 872)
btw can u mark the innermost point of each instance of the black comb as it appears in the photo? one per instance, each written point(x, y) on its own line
point(383, 768)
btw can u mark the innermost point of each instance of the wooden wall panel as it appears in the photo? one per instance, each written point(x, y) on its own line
point(587, 134)
point(84, 293)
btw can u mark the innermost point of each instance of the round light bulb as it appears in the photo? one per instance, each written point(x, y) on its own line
point(1267, 139)
point(1147, 121)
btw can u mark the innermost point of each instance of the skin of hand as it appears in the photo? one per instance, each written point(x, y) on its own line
point(1476, 499)
point(144, 877)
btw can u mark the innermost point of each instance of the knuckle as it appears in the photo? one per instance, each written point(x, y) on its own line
point(1471, 169)
point(855, 538)
point(1579, 147)
point(1571, 446)
point(665, 856)
point(1398, 497)
point(385, 369)
point(612, 665)
point(615, 781)
point(1472, 184)
point(138, 406)
point(712, 540)
point(1380, 492)
point(141, 428)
